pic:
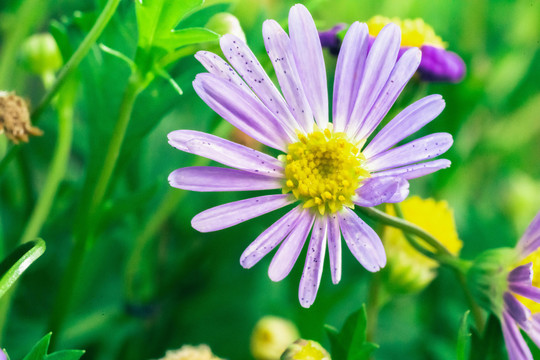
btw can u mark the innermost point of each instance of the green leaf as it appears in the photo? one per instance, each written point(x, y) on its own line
point(174, 40)
point(18, 261)
point(39, 351)
point(490, 344)
point(464, 337)
point(157, 18)
point(66, 355)
point(351, 342)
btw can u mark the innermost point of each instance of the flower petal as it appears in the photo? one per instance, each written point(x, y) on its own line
point(440, 65)
point(334, 247)
point(517, 310)
point(384, 189)
point(407, 122)
point(278, 47)
point(227, 215)
point(219, 67)
point(313, 268)
point(363, 242)
point(401, 73)
point(308, 56)
point(425, 148)
point(530, 241)
point(270, 238)
point(288, 252)
point(226, 152)
point(527, 291)
point(534, 331)
point(208, 178)
point(416, 170)
point(379, 63)
point(515, 344)
point(244, 112)
point(522, 274)
point(244, 61)
point(349, 72)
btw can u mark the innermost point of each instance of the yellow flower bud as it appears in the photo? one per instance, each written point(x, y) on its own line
point(271, 336)
point(188, 352)
point(305, 350)
point(407, 270)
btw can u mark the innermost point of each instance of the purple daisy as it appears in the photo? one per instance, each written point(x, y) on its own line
point(515, 314)
point(325, 167)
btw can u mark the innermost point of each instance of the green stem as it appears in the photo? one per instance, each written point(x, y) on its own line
point(170, 202)
point(372, 306)
point(475, 308)
point(65, 294)
point(56, 172)
point(73, 62)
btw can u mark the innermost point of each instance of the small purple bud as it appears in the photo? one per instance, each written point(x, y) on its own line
point(330, 38)
point(440, 65)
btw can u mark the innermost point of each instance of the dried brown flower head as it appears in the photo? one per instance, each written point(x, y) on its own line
point(15, 118)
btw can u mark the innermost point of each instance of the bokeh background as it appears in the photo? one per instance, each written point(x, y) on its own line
point(152, 283)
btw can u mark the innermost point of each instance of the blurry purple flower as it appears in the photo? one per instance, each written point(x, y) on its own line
point(515, 314)
point(326, 167)
point(437, 65)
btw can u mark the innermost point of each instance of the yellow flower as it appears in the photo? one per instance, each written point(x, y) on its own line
point(271, 336)
point(414, 32)
point(407, 269)
point(188, 352)
point(305, 350)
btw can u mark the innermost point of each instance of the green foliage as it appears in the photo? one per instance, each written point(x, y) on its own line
point(40, 349)
point(351, 342)
point(464, 338)
point(490, 344)
point(12, 267)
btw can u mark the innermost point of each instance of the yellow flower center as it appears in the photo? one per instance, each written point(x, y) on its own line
point(535, 259)
point(310, 352)
point(414, 32)
point(323, 170)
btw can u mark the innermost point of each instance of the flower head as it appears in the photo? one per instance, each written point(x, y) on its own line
point(438, 64)
point(305, 350)
point(188, 352)
point(504, 282)
point(326, 168)
point(407, 269)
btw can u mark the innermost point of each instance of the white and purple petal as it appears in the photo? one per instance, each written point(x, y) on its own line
point(227, 215)
point(379, 64)
point(515, 344)
point(349, 72)
point(407, 122)
point(522, 274)
point(308, 56)
point(416, 170)
point(519, 312)
point(209, 178)
point(278, 47)
point(270, 238)
point(313, 267)
point(530, 241)
point(334, 247)
point(385, 189)
point(364, 243)
point(245, 113)
point(400, 75)
point(534, 331)
point(425, 148)
point(219, 67)
point(226, 152)
point(288, 252)
point(248, 67)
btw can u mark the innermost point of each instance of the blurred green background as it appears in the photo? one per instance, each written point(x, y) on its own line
point(188, 287)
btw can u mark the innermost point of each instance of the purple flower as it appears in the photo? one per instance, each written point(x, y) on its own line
point(326, 167)
point(437, 65)
point(515, 314)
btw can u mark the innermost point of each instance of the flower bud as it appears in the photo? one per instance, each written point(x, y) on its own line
point(271, 336)
point(407, 270)
point(487, 277)
point(226, 23)
point(188, 352)
point(305, 350)
point(15, 118)
point(41, 55)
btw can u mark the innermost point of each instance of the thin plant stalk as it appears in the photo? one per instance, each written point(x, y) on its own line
point(64, 298)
